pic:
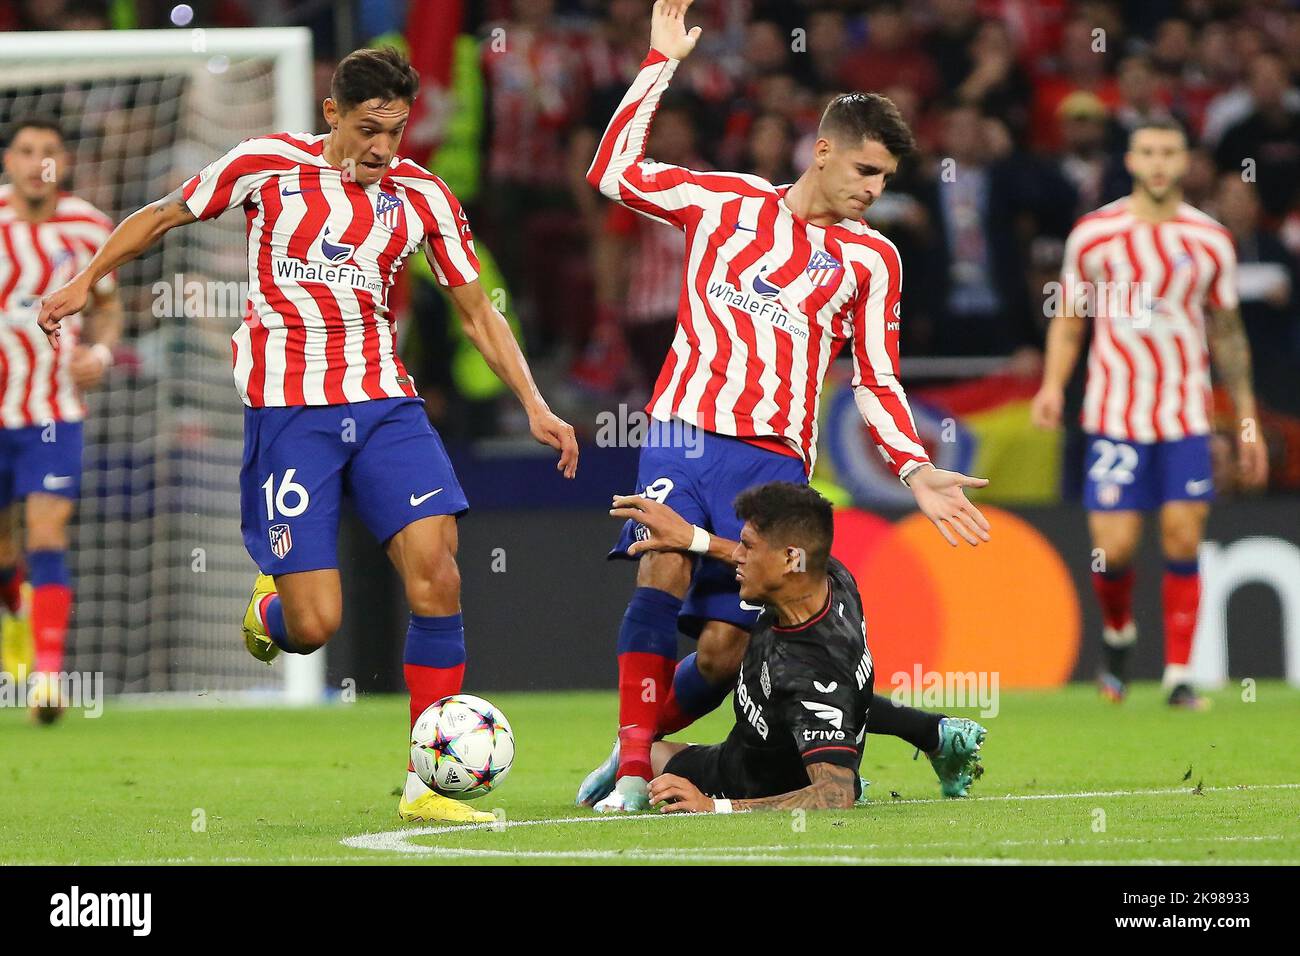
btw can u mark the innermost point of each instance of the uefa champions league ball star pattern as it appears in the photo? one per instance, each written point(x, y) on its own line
point(462, 747)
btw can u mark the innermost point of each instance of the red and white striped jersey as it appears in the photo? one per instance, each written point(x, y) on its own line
point(323, 252)
point(35, 259)
point(1146, 285)
point(767, 299)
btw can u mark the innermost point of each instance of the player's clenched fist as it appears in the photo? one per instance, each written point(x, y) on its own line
point(1045, 411)
point(60, 304)
point(668, 33)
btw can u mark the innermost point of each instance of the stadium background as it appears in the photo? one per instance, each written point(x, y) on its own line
point(1027, 101)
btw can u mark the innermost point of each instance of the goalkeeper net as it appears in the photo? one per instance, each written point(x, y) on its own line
point(160, 573)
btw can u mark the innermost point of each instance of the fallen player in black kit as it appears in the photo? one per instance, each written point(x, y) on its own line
point(804, 698)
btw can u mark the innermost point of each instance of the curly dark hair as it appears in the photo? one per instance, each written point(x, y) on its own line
point(788, 514)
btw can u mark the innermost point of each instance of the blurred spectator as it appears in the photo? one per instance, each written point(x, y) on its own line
point(1141, 100)
point(535, 94)
point(973, 274)
point(1266, 280)
point(995, 83)
point(1081, 65)
point(1085, 161)
point(1268, 140)
point(771, 149)
point(891, 55)
point(949, 43)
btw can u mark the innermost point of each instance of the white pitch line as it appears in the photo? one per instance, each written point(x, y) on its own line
point(397, 841)
point(1085, 794)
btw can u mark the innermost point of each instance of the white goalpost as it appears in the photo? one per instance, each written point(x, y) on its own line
point(160, 573)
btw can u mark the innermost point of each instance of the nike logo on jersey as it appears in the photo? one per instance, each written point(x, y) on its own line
point(1196, 488)
point(745, 605)
point(746, 228)
point(286, 191)
point(56, 482)
point(423, 498)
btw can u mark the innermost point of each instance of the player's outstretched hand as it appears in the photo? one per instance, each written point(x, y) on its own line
point(669, 531)
point(550, 429)
point(1046, 408)
point(60, 304)
point(674, 794)
point(668, 33)
point(940, 497)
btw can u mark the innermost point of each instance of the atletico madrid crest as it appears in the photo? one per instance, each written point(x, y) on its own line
point(388, 209)
point(823, 268)
point(281, 540)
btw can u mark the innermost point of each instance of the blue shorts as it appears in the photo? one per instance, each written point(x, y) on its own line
point(1132, 476)
point(40, 458)
point(699, 478)
point(300, 461)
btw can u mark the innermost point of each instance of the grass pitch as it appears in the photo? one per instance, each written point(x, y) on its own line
point(1069, 779)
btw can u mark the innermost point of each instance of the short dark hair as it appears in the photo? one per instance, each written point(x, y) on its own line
point(854, 117)
point(1166, 123)
point(786, 514)
point(43, 121)
point(382, 73)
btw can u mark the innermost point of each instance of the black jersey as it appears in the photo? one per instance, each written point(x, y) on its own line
point(801, 698)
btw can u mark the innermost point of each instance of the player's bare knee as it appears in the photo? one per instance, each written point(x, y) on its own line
point(1180, 544)
point(665, 571)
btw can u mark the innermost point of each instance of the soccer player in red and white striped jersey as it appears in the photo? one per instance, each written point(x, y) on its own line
point(330, 410)
point(46, 237)
point(1158, 279)
point(778, 280)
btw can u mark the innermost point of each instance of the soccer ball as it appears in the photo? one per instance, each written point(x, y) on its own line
point(462, 747)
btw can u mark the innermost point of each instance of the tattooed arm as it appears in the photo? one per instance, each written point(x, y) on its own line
point(136, 233)
point(831, 788)
point(1230, 350)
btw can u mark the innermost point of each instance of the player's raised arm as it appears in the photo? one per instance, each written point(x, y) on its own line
point(618, 171)
point(490, 332)
point(1064, 342)
point(136, 233)
point(883, 406)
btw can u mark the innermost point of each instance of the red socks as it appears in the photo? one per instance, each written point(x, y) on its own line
point(1115, 593)
point(428, 684)
point(644, 681)
point(433, 661)
point(51, 605)
point(1181, 593)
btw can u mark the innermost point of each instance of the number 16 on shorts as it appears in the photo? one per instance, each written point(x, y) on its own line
point(287, 500)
